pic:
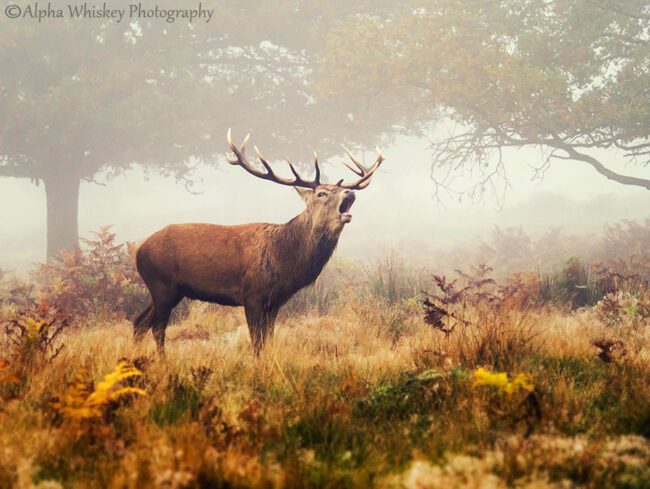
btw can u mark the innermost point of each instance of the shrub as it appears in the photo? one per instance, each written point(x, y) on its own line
point(480, 318)
point(97, 280)
point(627, 241)
point(32, 335)
point(619, 307)
point(15, 296)
point(83, 401)
point(579, 286)
point(463, 301)
point(514, 398)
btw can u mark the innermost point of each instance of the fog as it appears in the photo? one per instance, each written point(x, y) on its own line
point(123, 105)
point(398, 210)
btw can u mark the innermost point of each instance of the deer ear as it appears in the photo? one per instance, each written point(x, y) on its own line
point(304, 192)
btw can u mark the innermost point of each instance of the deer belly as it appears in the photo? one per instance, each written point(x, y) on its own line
point(210, 294)
point(211, 277)
point(211, 284)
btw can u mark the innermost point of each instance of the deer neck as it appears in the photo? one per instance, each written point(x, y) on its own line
point(306, 248)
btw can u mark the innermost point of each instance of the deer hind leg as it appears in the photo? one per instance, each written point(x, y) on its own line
point(261, 322)
point(161, 318)
point(142, 323)
point(156, 316)
point(161, 312)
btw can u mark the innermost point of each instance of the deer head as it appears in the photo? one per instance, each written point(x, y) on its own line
point(328, 205)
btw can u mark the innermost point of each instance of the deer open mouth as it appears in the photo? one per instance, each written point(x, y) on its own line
point(344, 208)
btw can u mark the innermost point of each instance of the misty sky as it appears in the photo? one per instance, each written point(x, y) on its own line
point(397, 210)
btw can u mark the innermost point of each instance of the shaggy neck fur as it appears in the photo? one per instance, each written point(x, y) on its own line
point(304, 248)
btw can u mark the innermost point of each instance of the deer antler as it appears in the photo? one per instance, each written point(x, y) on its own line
point(365, 173)
point(269, 174)
point(360, 170)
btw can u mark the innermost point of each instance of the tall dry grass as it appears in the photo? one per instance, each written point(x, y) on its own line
point(358, 388)
point(335, 400)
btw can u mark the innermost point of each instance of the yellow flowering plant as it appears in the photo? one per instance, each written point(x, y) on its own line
point(521, 382)
point(83, 401)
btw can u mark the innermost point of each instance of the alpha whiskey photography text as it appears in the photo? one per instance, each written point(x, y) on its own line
point(88, 11)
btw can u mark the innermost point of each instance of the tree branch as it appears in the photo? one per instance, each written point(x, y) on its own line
point(614, 7)
point(603, 170)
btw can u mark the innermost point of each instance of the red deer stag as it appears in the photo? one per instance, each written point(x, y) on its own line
point(258, 266)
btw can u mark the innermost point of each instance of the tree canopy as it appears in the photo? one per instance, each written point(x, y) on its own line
point(87, 98)
point(567, 76)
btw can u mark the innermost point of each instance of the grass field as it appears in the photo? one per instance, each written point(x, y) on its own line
point(365, 394)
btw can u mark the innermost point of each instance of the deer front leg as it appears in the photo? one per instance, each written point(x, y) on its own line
point(260, 321)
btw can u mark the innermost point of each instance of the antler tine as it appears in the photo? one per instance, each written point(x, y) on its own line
point(365, 173)
point(353, 170)
point(239, 152)
point(293, 169)
point(232, 147)
point(361, 168)
point(245, 142)
point(269, 170)
point(317, 175)
point(380, 157)
point(269, 174)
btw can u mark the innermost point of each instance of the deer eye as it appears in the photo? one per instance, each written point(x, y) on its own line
point(322, 195)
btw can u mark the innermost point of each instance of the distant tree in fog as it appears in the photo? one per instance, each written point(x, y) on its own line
point(566, 76)
point(84, 100)
point(509, 249)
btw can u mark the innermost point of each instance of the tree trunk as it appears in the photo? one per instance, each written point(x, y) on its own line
point(62, 195)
